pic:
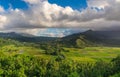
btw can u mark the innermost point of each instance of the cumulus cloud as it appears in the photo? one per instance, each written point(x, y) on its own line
point(98, 3)
point(112, 12)
point(1, 9)
point(3, 20)
point(33, 1)
point(44, 15)
point(100, 14)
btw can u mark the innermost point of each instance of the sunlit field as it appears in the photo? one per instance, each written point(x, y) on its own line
point(85, 54)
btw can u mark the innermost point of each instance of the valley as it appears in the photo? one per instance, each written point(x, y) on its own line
point(77, 55)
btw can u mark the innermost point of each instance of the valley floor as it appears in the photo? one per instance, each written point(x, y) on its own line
point(86, 54)
point(93, 53)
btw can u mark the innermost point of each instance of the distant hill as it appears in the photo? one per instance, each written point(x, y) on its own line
point(26, 37)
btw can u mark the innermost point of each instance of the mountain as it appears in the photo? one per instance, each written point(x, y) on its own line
point(26, 37)
point(87, 38)
point(90, 37)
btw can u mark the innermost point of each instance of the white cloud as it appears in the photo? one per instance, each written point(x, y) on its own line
point(42, 14)
point(1, 9)
point(113, 11)
point(98, 3)
point(118, 0)
point(32, 1)
point(3, 20)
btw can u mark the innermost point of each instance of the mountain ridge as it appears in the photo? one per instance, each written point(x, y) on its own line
point(25, 37)
point(107, 38)
point(92, 37)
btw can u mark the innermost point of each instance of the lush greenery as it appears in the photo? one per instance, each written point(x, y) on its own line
point(20, 65)
point(21, 59)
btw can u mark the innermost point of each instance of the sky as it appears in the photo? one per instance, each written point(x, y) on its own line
point(58, 18)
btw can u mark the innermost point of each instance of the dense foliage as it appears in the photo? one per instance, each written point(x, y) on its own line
point(34, 66)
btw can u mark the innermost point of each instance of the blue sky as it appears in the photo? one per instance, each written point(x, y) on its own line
point(14, 3)
point(75, 4)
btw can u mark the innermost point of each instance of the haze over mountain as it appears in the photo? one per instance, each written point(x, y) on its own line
point(99, 37)
point(23, 37)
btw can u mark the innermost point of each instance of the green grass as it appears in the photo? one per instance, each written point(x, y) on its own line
point(96, 53)
point(76, 54)
point(30, 51)
point(21, 50)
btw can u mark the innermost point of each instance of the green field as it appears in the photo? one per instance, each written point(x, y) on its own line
point(86, 54)
point(93, 53)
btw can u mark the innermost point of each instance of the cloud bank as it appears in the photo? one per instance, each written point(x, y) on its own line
point(99, 15)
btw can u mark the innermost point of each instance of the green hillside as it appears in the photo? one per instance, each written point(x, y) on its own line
point(92, 38)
